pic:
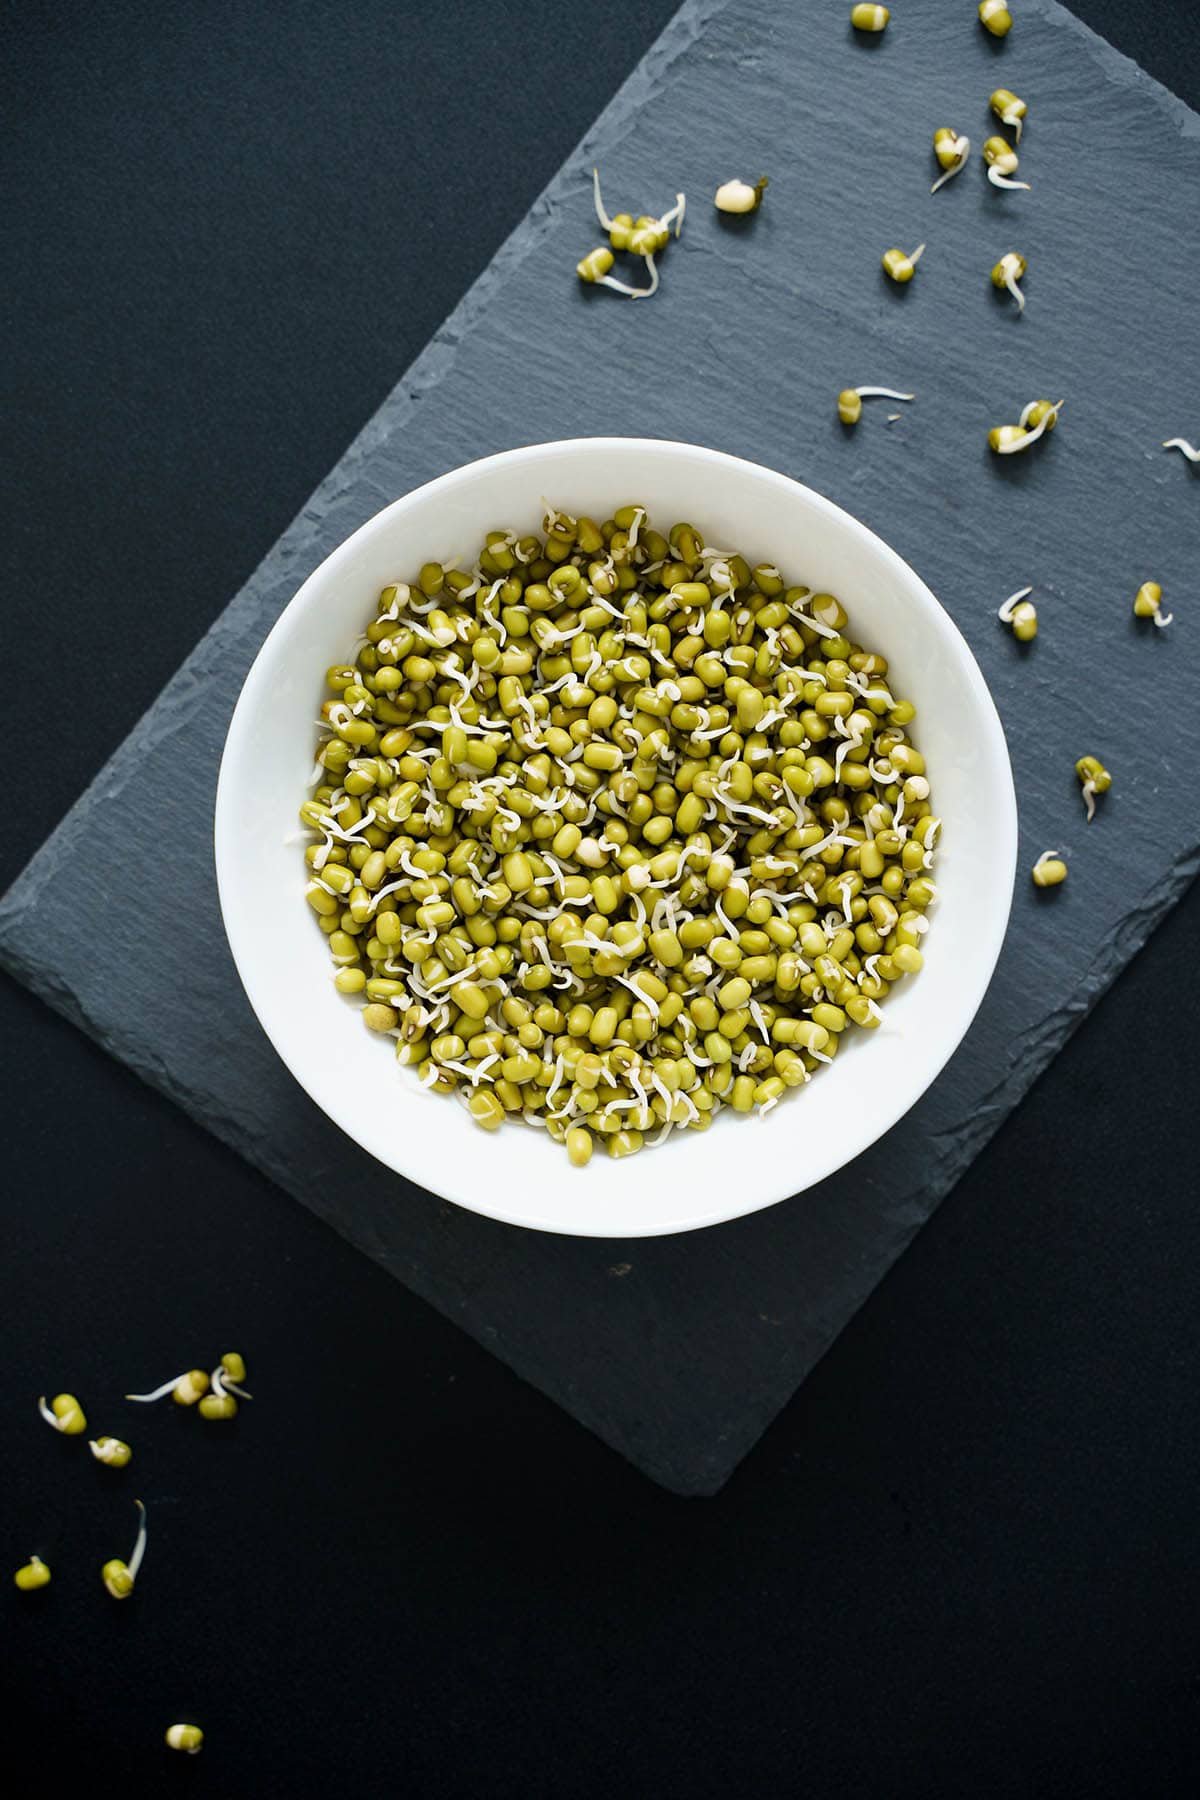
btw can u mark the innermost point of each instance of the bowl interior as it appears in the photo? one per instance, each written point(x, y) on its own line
point(517, 1174)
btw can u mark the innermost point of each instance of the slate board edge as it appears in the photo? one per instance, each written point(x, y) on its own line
point(698, 1478)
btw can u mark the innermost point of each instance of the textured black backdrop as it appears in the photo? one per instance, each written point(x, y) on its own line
point(963, 1562)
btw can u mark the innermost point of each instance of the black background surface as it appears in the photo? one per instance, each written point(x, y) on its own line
point(963, 1561)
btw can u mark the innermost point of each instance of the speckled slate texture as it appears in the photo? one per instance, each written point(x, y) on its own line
point(679, 1352)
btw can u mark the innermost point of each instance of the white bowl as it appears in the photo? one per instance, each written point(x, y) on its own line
point(518, 1174)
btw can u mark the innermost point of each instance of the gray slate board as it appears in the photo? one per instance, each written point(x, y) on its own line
point(679, 1352)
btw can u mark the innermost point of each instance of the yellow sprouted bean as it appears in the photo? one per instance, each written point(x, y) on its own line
point(1009, 109)
point(64, 1414)
point(35, 1574)
point(1002, 161)
point(1049, 870)
point(1037, 418)
point(119, 1577)
point(900, 265)
point(1007, 273)
point(110, 1450)
point(1094, 779)
point(1147, 604)
point(951, 150)
point(849, 401)
point(188, 1738)
point(740, 196)
point(1021, 614)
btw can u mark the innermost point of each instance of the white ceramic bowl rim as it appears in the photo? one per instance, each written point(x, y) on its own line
point(692, 1181)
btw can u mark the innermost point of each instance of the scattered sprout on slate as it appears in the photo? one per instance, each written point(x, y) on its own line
point(951, 151)
point(1095, 779)
point(1008, 272)
point(1147, 604)
point(1038, 417)
point(643, 237)
point(869, 18)
point(621, 229)
point(184, 1389)
point(110, 1450)
point(187, 1738)
point(595, 267)
point(64, 1413)
point(119, 1577)
point(995, 17)
point(1049, 870)
point(899, 266)
point(1189, 450)
point(34, 1575)
point(618, 830)
point(648, 236)
point(849, 401)
point(1009, 109)
point(1001, 160)
point(739, 196)
point(1021, 614)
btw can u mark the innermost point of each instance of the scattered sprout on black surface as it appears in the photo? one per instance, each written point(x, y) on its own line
point(64, 1414)
point(218, 1405)
point(119, 1577)
point(188, 1738)
point(35, 1574)
point(113, 1451)
point(229, 1374)
point(184, 1389)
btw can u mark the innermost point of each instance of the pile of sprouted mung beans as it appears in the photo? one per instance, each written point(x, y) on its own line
point(612, 831)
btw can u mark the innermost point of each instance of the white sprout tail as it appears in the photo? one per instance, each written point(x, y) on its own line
point(158, 1393)
point(1005, 612)
point(623, 287)
point(1010, 282)
point(600, 212)
point(139, 1548)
